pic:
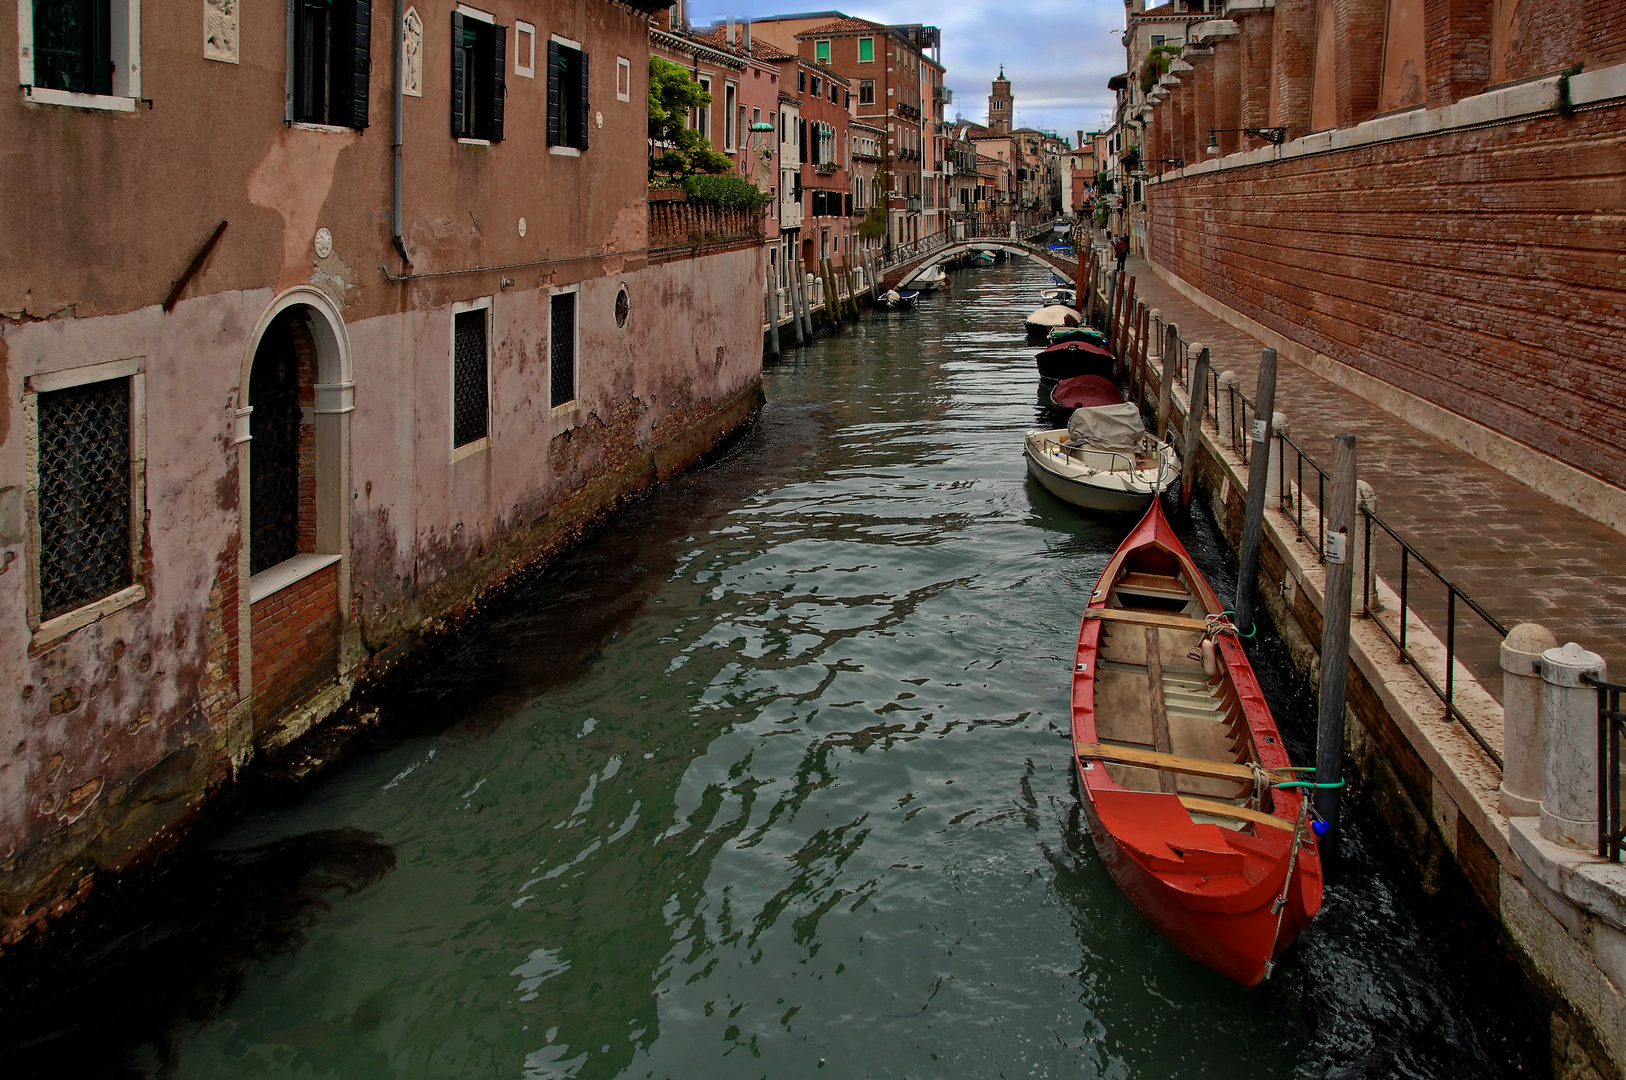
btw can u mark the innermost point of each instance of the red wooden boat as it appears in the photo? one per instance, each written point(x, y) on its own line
point(1069, 359)
point(1180, 764)
point(1085, 392)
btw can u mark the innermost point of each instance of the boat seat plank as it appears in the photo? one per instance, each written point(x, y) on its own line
point(1151, 759)
point(1168, 621)
point(1215, 808)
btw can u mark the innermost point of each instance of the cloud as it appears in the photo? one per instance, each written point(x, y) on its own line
point(1058, 54)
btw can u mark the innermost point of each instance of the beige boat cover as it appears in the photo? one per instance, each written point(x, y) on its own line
point(1106, 427)
point(1053, 315)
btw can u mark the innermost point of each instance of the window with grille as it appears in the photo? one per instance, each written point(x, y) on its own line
point(73, 45)
point(479, 77)
point(568, 105)
point(470, 384)
point(332, 61)
point(562, 350)
point(84, 494)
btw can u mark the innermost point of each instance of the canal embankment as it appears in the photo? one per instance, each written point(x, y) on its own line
point(1455, 764)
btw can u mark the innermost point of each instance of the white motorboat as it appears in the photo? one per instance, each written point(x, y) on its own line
point(1103, 460)
point(1061, 294)
point(930, 278)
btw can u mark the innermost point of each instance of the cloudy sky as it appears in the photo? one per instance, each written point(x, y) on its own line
point(1058, 54)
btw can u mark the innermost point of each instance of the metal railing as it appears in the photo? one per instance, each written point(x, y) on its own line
point(1233, 413)
point(1611, 731)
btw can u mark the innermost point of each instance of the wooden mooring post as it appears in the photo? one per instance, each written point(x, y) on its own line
point(1088, 285)
point(1254, 519)
point(1339, 518)
point(1194, 426)
point(1165, 386)
point(773, 314)
point(795, 292)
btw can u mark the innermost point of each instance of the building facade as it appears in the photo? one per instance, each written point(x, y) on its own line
point(351, 384)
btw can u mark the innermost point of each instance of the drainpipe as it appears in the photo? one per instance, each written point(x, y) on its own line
point(400, 97)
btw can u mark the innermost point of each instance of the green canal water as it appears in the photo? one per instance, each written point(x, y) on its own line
point(771, 779)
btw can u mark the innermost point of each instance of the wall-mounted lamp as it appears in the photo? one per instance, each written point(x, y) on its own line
point(1177, 162)
point(1273, 135)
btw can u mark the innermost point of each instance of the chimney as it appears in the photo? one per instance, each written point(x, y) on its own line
point(745, 34)
point(730, 38)
point(1081, 138)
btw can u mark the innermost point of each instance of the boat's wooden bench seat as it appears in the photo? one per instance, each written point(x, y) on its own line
point(1173, 763)
point(1160, 586)
point(1215, 808)
point(1166, 621)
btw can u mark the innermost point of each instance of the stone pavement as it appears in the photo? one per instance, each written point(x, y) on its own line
point(1522, 556)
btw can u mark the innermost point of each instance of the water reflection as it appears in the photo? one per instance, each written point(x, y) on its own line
point(772, 778)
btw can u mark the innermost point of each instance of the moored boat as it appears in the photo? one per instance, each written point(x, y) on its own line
point(930, 278)
point(1060, 294)
point(1102, 460)
point(1069, 359)
point(1184, 778)
point(1047, 318)
point(899, 298)
point(982, 258)
point(1084, 392)
point(1077, 333)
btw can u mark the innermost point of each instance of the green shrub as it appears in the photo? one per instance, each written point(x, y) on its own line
point(725, 192)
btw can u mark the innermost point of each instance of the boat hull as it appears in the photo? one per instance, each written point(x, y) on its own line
point(1105, 493)
point(1220, 862)
point(1070, 359)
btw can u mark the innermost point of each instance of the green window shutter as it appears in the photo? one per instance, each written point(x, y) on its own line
point(361, 65)
point(866, 50)
point(821, 51)
point(553, 93)
point(497, 89)
point(460, 80)
point(586, 111)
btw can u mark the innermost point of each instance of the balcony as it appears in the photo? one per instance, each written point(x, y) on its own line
point(825, 168)
point(907, 111)
point(942, 95)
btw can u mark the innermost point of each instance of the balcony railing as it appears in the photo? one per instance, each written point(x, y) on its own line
point(942, 95)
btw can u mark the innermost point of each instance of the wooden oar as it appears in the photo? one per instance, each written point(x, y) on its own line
point(1215, 808)
point(1147, 618)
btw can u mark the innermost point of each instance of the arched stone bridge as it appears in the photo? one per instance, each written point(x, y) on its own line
point(906, 271)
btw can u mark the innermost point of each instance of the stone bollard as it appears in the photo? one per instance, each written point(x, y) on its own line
point(1225, 404)
point(1275, 495)
point(1366, 502)
point(1522, 766)
point(1569, 723)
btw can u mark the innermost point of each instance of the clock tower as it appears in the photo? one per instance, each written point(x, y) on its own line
point(1001, 107)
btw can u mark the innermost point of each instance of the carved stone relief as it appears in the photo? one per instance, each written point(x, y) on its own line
point(412, 51)
point(220, 30)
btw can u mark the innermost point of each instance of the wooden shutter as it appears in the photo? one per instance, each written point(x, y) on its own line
point(803, 133)
point(553, 93)
point(497, 89)
point(361, 64)
point(847, 200)
point(460, 79)
point(585, 112)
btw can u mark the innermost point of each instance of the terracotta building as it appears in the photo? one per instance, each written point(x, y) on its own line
point(394, 318)
point(1426, 197)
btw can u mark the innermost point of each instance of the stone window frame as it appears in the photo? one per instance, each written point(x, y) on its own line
point(870, 41)
point(623, 78)
point(526, 70)
point(566, 407)
point(483, 443)
point(47, 631)
point(126, 54)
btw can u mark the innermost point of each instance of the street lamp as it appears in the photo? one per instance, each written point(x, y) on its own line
point(1273, 135)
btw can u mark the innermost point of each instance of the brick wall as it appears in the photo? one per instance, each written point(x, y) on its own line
point(1478, 269)
point(295, 634)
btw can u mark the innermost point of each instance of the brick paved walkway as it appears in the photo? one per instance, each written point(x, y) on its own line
point(1522, 556)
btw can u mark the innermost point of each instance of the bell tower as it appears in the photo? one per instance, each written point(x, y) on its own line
point(1001, 106)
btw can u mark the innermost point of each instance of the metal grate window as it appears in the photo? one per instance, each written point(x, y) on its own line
point(562, 350)
point(273, 456)
point(470, 396)
point(84, 494)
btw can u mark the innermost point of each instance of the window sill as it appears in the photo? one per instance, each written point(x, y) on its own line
point(562, 410)
point(60, 626)
point(331, 129)
point(289, 572)
point(565, 151)
point(469, 449)
point(42, 95)
point(474, 142)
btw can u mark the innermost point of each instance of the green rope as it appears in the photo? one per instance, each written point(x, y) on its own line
point(1252, 630)
point(1307, 784)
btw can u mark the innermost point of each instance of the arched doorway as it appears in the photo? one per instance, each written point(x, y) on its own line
point(293, 472)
